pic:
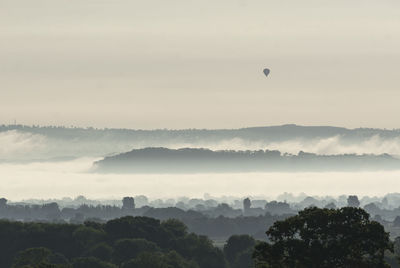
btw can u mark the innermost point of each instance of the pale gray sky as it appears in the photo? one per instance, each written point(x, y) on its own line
point(187, 63)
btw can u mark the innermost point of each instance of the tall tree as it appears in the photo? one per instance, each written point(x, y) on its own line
point(325, 238)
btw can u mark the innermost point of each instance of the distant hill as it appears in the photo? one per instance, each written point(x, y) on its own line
point(163, 160)
point(269, 133)
point(27, 143)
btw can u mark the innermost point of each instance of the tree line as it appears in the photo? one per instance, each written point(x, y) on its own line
point(315, 237)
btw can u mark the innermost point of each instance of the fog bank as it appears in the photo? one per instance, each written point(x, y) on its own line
point(16, 145)
point(70, 178)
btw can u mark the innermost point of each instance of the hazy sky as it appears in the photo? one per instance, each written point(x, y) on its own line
point(187, 63)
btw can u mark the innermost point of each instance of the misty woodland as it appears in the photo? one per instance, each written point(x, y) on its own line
point(199, 134)
point(180, 230)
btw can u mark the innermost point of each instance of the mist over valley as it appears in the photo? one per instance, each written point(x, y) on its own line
point(59, 161)
point(24, 143)
point(199, 134)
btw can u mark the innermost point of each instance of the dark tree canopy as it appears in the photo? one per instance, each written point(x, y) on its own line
point(325, 238)
point(352, 201)
point(130, 248)
point(159, 260)
point(238, 250)
point(123, 242)
point(128, 203)
point(246, 204)
point(3, 202)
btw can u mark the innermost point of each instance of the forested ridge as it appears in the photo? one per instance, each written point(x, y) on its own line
point(165, 160)
point(275, 133)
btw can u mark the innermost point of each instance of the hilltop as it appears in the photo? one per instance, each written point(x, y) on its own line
point(164, 160)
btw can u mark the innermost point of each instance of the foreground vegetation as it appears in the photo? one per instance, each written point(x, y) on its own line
point(325, 238)
point(315, 237)
point(125, 242)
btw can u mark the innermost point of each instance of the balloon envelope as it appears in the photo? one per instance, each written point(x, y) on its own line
point(266, 72)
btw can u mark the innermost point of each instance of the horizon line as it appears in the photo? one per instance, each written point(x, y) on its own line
point(193, 129)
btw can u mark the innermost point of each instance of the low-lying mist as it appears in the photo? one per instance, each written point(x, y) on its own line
point(17, 145)
point(71, 178)
point(53, 162)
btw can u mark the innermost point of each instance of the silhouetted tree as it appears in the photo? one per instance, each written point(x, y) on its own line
point(278, 208)
point(325, 238)
point(246, 204)
point(3, 203)
point(352, 201)
point(128, 203)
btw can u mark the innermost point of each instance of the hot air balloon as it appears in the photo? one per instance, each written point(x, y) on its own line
point(266, 71)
